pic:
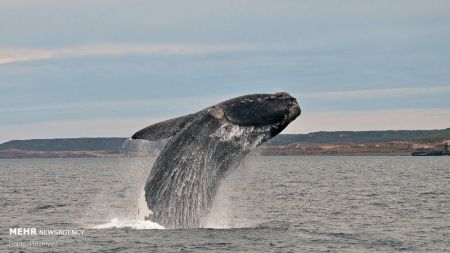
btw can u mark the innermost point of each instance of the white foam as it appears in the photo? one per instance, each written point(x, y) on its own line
point(134, 224)
point(143, 213)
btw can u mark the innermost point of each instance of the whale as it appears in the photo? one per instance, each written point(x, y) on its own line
point(202, 148)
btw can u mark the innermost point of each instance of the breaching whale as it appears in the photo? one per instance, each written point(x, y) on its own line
point(202, 148)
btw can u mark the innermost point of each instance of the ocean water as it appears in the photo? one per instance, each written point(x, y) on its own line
point(268, 204)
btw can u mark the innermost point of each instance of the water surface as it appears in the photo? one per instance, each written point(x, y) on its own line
point(269, 204)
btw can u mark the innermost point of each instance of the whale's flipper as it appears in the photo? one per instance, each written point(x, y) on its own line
point(164, 129)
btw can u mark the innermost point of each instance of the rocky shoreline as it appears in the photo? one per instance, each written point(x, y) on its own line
point(393, 148)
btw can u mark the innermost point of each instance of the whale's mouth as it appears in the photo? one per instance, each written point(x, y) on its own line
point(292, 105)
point(294, 110)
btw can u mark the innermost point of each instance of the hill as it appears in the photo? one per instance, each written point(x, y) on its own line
point(363, 136)
point(401, 142)
point(67, 144)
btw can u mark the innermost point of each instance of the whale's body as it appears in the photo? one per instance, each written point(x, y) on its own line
point(202, 148)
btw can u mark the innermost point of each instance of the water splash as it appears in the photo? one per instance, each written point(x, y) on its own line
point(133, 224)
point(143, 213)
point(120, 206)
point(142, 147)
point(225, 212)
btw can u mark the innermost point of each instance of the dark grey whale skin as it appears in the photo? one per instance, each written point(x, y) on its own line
point(204, 146)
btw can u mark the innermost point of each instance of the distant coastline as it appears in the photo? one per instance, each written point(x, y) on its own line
point(402, 142)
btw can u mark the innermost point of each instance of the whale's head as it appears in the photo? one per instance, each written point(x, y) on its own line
point(271, 111)
point(275, 110)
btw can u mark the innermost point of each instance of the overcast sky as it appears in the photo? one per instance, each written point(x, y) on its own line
point(109, 68)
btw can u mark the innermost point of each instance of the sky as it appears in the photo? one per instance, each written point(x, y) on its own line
point(109, 68)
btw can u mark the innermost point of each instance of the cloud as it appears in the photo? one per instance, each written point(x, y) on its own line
point(369, 93)
point(16, 55)
point(10, 55)
point(187, 102)
point(75, 128)
point(197, 102)
point(400, 119)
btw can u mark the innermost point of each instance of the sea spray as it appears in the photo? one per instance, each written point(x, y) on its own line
point(225, 211)
point(127, 223)
point(130, 171)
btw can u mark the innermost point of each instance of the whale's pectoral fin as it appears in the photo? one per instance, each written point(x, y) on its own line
point(164, 129)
